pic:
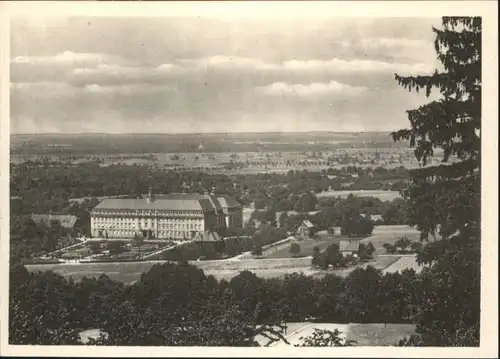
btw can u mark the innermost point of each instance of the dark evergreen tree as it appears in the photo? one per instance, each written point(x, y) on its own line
point(294, 249)
point(445, 199)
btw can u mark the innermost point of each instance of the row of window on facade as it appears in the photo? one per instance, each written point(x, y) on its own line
point(197, 226)
point(149, 233)
point(160, 224)
point(132, 219)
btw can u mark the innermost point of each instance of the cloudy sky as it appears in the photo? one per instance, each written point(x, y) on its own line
point(171, 75)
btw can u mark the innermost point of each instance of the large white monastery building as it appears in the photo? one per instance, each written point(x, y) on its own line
point(173, 216)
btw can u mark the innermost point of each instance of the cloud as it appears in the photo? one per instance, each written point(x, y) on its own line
point(64, 58)
point(365, 66)
point(392, 42)
point(126, 75)
point(118, 70)
point(387, 43)
point(43, 89)
point(228, 62)
point(57, 67)
point(62, 90)
point(108, 74)
point(331, 66)
point(127, 90)
point(310, 90)
point(81, 69)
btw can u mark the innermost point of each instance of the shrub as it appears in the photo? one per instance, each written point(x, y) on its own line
point(257, 250)
point(294, 249)
point(390, 248)
point(416, 246)
point(402, 243)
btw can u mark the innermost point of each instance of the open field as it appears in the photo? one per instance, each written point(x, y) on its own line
point(389, 234)
point(273, 266)
point(378, 262)
point(404, 262)
point(206, 142)
point(242, 153)
point(129, 272)
point(364, 334)
point(380, 235)
point(126, 272)
point(306, 247)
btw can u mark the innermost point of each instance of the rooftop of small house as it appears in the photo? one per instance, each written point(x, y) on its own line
point(349, 245)
point(307, 223)
point(66, 220)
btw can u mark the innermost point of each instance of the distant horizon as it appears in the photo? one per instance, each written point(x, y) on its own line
point(191, 133)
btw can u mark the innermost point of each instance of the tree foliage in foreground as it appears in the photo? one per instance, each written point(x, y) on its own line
point(445, 198)
point(326, 338)
point(178, 305)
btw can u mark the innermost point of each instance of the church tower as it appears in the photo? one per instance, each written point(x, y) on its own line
point(150, 197)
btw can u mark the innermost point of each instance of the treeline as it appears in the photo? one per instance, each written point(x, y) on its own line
point(177, 304)
point(238, 241)
point(42, 189)
point(29, 238)
point(49, 186)
point(331, 257)
point(352, 207)
point(353, 213)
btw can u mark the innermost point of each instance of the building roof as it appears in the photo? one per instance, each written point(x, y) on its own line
point(222, 201)
point(208, 236)
point(349, 246)
point(66, 220)
point(175, 202)
point(228, 202)
point(157, 204)
point(308, 223)
point(206, 204)
point(215, 202)
point(187, 196)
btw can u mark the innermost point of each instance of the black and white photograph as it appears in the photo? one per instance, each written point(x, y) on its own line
point(279, 182)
